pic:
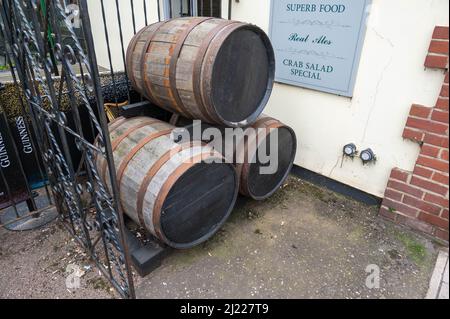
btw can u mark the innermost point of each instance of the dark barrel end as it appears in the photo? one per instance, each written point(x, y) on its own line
point(262, 186)
point(198, 204)
point(243, 76)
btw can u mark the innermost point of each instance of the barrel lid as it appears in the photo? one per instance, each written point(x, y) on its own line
point(242, 75)
point(198, 204)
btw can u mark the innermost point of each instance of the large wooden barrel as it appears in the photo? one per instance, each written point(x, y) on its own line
point(216, 70)
point(254, 182)
point(172, 190)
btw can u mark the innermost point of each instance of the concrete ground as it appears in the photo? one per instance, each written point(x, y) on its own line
point(304, 242)
point(439, 288)
point(34, 265)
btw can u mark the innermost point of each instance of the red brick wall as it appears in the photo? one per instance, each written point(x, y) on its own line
point(420, 199)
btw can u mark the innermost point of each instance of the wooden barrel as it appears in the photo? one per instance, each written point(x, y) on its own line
point(253, 182)
point(215, 70)
point(172, 190)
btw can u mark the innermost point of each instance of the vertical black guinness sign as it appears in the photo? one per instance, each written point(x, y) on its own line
point(9, 164)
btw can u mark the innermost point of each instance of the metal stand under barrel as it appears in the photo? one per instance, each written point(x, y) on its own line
point(145, 257)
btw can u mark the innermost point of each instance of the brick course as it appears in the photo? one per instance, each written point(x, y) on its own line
point(420, 199)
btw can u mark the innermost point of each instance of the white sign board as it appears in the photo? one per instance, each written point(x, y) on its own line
point(318, 43)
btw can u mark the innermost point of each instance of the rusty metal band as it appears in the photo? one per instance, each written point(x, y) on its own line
point(260, 121)
point(240, 148)
point(146, 85)
point(179, 105)
point(243, 168)
point(111, 127)
point(116, 123)
point(174, 119)
point(240, 145)
point(129, 56)
point(119, 139)
point(136, 149)
point(205, 86)
point(243, 185)
point(167, 186)
point(152, 172)
point(129, 131)
point(131, 155)
point(198, 64)
point(269, 124)
point(275, 125)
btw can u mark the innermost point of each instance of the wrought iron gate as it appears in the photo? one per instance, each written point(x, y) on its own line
point(40, 43)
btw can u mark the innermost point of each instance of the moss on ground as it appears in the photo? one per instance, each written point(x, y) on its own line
point(99, 283)
point(415, 250)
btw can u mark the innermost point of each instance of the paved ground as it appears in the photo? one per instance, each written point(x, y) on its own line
point(34, 265)
point(439, 281)
point(305, 242)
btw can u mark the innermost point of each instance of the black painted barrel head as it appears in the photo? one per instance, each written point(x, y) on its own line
point(198, 204)
point(243, 75)
point(260, 185)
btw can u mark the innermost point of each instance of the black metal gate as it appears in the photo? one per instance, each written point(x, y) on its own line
point(65, 113)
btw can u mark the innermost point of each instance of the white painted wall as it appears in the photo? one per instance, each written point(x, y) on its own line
point(391, 78)
point(98, 32)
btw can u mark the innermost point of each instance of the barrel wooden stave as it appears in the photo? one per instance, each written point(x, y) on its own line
point(134, 56)
point(158, 64)
point(141, 162)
